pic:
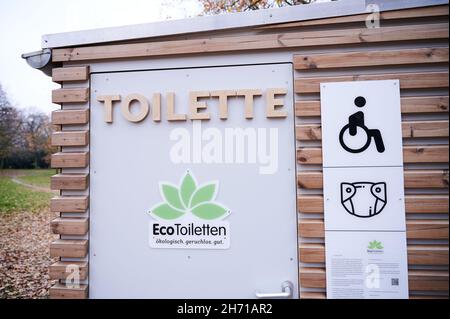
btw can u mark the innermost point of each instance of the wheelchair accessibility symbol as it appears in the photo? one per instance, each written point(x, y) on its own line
point(355, 126)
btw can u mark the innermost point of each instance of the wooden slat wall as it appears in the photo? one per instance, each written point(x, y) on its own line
point(80, 73)
point(411, 154)
point(423, 73)
point(409, 105)
point(410, 129)
point(70, 117)
point(72, 181)
point(254, 42)
point(370, 58)
point(435, 11)
point(69, 181)
point(58, 269)
point(414, 204)
point(413, 179)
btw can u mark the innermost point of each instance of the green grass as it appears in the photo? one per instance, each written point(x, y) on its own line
point(14, 197)
point(37, 177)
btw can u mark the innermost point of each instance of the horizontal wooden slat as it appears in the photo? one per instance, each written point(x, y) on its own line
point(416, 80)
point(428, 280)
point(311, 228)
point(68, 117)
point(411, 154)
point(312, 295)
point(428, 255)
point(310, 179)
point(70, 138)
point(307, 108)
point(310, 204)
point(70, 226)
point(70, 74)
point(415, 229)
point(417, 204)
point(424, 104)
point(69, 204)
point(312, 277)
point(425, 154)
point(383, 16)
point(312, 253)
point(412, 295)
point(429, 229)
point(62, 269)
point(370, 58)
point(409, 105)
point(69, 181)
point(253, 42)
point(60, 291)
point(412, 178)
point(417, 254)
point(76, 95)
point(414, 204)
point(69, 248)
point(410, 129)
point(309, 155)
point(308, 132)
point(70, 160)
point(414, 129)
point(419, 280)
point(421, 296)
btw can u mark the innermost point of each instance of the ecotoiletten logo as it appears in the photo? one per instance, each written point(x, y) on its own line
point(189, 198)
point(189, 217)
point(375, 246)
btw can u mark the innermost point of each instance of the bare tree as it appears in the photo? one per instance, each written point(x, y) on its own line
point(10, 124)
point(36, 133)
point(24, 136)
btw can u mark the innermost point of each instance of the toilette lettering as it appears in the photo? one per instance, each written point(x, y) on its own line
point(231, 145)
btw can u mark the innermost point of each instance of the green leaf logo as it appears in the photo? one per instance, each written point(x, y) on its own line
point(203, 194)
point(172, 196)
point(187, 188)
point(374, 244)
point(209, 211)
point(189, 198)
point(165, 211)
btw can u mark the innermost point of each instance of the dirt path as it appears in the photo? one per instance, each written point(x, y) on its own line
point(33, 187)
point(24, 248)
point(24, 254)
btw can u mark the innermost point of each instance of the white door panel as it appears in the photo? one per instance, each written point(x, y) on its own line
point(129, 160)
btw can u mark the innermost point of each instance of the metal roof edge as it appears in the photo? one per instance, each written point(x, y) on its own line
point(227, 21)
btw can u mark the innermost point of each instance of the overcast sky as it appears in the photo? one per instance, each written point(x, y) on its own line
point(23, 22)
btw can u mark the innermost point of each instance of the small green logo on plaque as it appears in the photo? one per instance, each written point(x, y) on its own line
point(374, 244)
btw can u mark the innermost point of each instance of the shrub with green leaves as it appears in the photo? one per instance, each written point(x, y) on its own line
point(189, 198)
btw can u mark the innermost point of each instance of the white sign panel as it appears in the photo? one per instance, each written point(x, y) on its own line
point(364, 201)
point(361, 124)
point(369, 265)
point(188, 208)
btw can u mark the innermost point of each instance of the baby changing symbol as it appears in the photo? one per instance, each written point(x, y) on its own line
point(363, 199)
point(355, 136)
